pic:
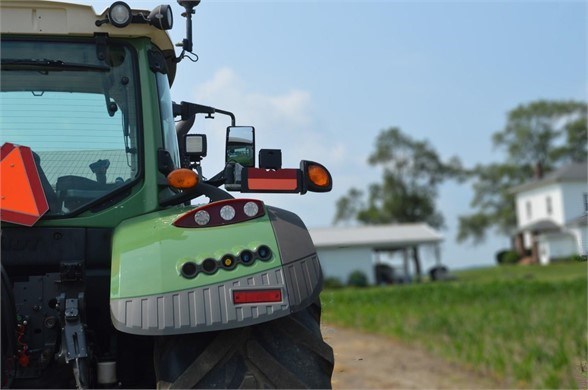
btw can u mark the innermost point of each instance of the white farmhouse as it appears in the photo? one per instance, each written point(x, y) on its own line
point(552, 214)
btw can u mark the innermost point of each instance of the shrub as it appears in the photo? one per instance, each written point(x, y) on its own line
point(569, 259)
point(357, 279)
point(333, 282)
point(500, 256)
point(508, 257)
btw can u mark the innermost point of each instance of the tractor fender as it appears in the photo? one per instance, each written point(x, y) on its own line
point(150, 295)
point(297, 251)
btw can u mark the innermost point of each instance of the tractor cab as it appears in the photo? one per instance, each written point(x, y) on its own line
point(111, 276)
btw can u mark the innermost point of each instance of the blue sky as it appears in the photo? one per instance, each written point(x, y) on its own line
point(320, 79)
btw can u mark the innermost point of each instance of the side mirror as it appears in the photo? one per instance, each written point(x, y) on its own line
point(240, 145)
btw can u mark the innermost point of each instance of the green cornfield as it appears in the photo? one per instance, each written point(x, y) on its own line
point(525, 326)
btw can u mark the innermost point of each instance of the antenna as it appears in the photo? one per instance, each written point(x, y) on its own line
point(189, 6)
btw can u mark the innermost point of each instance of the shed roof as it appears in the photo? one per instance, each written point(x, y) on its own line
point(376, 236)
point(576, 172)
point(70, 162)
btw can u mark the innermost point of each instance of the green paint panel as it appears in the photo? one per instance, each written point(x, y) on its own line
point(148, 252)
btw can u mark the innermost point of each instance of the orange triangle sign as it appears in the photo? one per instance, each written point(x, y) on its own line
point(22, 198)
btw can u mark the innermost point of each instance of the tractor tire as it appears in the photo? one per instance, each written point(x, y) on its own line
point(285, 353)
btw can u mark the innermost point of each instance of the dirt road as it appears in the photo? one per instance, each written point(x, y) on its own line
point(364, 361)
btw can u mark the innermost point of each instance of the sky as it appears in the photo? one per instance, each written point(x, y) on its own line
point(320, 79)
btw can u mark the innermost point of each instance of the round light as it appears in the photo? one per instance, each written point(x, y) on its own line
point(246, 256)
point(182, 178)
point(161, 17)
point(119, 14)
point(170, 19)
point(189, 270)
point(318, 175)
point(251, 209)
point(227, 212)
point(202, 217)
point(209, 266)
point(264, 252)
point(228, 261)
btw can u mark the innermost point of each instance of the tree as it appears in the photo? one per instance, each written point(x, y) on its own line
point(532, 131)
point(538, 136)
point(493, 201)
point(412, 173)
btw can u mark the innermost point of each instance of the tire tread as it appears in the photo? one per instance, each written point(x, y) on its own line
point(285, 353)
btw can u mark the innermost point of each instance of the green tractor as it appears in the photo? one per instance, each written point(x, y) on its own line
point(122, 265)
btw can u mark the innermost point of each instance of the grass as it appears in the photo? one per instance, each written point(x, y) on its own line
point(527, 326)
point(553, 272)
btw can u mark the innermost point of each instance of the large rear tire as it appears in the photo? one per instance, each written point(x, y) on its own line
point(284, 353)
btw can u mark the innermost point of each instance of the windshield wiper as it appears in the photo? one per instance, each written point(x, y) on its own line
point(53, 65)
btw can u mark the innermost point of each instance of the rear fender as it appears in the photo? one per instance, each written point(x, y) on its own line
point(149, 295)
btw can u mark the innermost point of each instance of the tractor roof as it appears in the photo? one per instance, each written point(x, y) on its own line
point(57, 18)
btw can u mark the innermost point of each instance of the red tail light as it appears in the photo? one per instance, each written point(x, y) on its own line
point(225, 212)
point(257, 296)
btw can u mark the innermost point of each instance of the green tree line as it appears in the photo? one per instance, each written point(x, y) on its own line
point(538, 137)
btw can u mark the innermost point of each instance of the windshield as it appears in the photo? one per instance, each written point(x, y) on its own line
point(76, 112)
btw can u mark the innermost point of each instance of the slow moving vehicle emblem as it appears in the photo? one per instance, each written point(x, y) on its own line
point(22, 198)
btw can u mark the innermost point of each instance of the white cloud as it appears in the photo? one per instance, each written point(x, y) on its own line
point(293, 106)
point(283, 121)
point(286, 121)
point(224, 83)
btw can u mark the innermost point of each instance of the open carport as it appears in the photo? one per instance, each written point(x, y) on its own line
point(343, 250)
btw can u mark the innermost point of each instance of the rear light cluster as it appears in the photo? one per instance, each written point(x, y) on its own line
point(225, 212)
point(190, 269)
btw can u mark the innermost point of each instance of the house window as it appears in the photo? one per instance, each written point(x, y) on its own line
point(529, 211)
point(549, 205)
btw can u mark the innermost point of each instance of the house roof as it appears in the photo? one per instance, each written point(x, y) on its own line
point(576, 172)
point(376, 236)
point(579, 221)
point(543, 225)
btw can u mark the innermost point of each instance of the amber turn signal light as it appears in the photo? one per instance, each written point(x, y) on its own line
point(182, 179)
point(316, 177)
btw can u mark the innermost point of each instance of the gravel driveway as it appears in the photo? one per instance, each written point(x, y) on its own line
point(365, 361)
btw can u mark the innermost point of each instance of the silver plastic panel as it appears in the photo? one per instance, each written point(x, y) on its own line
point(211, 308)
point(198, 310)
point(293, 238)
point(303, 281)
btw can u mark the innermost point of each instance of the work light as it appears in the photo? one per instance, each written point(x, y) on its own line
point(119, 14)
point(161, 17)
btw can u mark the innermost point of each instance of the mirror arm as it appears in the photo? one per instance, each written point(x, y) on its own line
point(213, 193)
point(218, 179)
point(228, 113)
point(186, 110)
